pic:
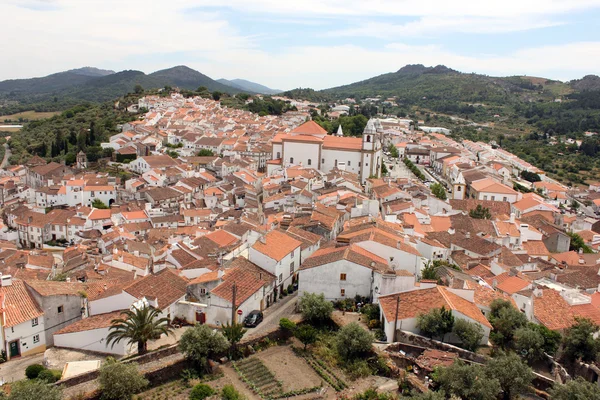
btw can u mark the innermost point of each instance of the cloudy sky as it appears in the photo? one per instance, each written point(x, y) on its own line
point(302, 43)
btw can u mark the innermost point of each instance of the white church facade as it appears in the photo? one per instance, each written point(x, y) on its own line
point(309, 145)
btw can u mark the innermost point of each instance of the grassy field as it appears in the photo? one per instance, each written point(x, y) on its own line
point(28, 115)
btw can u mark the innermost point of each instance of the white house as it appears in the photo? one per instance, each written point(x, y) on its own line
point(22, 323)
point(279, 254)
point(407, 306)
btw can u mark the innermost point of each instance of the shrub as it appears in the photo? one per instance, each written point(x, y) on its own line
point(200, 343)
point(374, 324)
point(33, 371)
point(120, 381)
point(469, 333)
point(306, 334)
point(201, 391)
point(49, 375)
point(315, 308)
point(286, 324)
point(229, 393)
point(353, 341)
point(33, 390)
point(371, 311)
point(358, 369)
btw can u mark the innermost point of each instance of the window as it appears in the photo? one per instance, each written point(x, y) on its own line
point(335, 163)
point(493, 198)
point(60, 309)
point(292, 254)
point(291, 160)
point(459, 188)
point(359, 163)
point(36, 338)
point(278, 154)
point(485, 197)
point(309, 161)
point(202, 291)
point(505, 198)
point(342, 277)
point(322, 161)
point(348, 163)
point(280, 277)
point(368, 138)
point(342, 292)
point(292, 268)
point(34, 322)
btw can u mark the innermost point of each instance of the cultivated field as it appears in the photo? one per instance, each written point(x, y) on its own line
point(28, 115)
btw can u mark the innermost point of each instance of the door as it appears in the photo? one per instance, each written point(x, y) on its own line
point(200, 317)
point(15, 349)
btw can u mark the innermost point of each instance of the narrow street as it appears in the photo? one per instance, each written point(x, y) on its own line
point(14, 370)
point(7, 155)
point(284, 308)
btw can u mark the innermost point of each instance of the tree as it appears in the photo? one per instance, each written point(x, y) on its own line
point(229, 393)
point(216, 95)
point(429, 272)
point(552, 338)
point(393, 151)
point(480, 212)
point(138, 89)
point(138, 326)
point(578, 389)
point(120, 381)
point(233, 333)
point(97, 203)
point(469, 333)
point(34, 390)
point(315, 308)
point(384, 169)
point(579, 342)
point(438, 191)
point(505, 320)
point(514, 376)
point(436, 323)
point(353, 341)
point(201, 391)
point(529, 343)
point(306, 334)
point(200, 343)
point(287, 325)
point(577, 243)
point(467, 382)
point(530, 176)
point(205, 153)
point(32, 371)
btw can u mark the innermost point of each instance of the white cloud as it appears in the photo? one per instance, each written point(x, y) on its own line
point(51, 36)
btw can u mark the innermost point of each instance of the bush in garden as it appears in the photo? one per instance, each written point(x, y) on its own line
point(120, 381)
point(229, 393)
point(201, 391)
point(32, 371)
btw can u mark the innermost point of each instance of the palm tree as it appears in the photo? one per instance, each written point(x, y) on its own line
point(234, 333)
point(138, 326)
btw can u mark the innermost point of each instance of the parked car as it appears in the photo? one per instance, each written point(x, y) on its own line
point(253, 319)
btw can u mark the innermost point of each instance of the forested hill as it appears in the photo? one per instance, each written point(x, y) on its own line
point(66, 89)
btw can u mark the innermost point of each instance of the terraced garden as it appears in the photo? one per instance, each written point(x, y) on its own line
point(256, 375)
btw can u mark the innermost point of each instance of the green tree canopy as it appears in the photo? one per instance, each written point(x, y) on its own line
point(306, 334)
point(205, 153)
point(579, 342)
point(353, 341)
point(97, 203)
point(436, 323)
point(233, 333)
point(577, 389)
point(514, 376)
point(577, 243)
point(120, 381)
point(505, 320)
point(480, 212)
point(34, 390)
point(469, 333)
point(438, 191)
point(138, 326)
point(315, 308)
point(467, 382)
point(200, 343)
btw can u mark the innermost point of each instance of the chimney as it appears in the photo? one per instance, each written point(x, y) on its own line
point(512, 217)
point(5, 280)
point(468, 235)
point(537, 292)
point(221, 273)
point(263, 240)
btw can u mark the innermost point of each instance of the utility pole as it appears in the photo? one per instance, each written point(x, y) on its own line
point(396, 319)
point(233, 308)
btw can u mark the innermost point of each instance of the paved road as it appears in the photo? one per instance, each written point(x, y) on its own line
point(14, 369)
point(7, 155)
point(282, 309)
point(397, 169)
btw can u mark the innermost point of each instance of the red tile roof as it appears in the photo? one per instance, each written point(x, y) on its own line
point(166, 287)
point(94, 322)
point(19, 305)
point(310, 128)
point(248, 278)
point(277, 245)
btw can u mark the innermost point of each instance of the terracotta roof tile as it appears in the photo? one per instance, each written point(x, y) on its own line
point(277, 245)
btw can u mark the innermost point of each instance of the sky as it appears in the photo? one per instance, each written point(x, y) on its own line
point(286, 44)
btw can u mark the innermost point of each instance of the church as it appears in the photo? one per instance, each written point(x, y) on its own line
point(310, 146)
